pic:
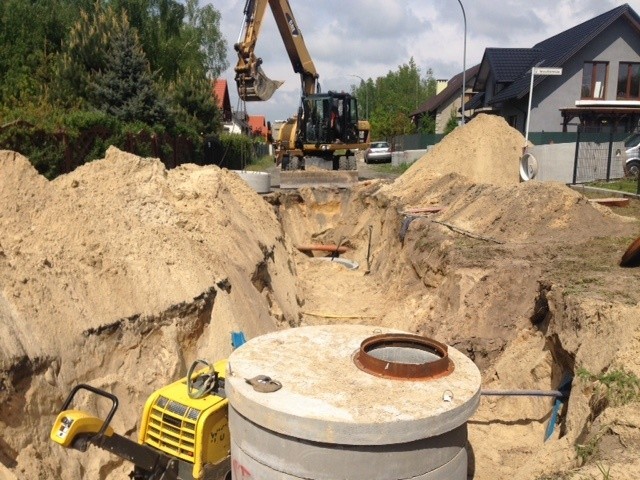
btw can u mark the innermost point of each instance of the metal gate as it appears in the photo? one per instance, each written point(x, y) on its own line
point(599, 155)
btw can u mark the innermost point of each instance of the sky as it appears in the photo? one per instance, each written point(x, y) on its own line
point(348, 39)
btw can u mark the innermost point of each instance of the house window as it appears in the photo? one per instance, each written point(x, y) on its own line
point(512, 120)
point(629, 80)
point(594, 80)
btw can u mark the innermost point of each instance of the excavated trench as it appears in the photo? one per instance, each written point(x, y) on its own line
point(434, 281)
point(439, 283)
point(503, 304)
point(502, 290)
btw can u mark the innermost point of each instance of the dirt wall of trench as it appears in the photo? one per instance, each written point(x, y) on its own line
point(121, 273)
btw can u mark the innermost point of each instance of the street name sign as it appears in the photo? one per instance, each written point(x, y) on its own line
point(547, 71)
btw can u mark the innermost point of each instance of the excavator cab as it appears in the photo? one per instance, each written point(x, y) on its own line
point(329, 118)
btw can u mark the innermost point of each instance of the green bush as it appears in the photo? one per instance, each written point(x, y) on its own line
point(60, 143)
point(618, 387)
point(43, 149)
point(78, 120)
point(231, 151)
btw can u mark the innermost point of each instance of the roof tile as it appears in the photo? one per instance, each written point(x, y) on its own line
point(555, 51)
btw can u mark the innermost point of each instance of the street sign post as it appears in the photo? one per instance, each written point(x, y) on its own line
point(537, 71)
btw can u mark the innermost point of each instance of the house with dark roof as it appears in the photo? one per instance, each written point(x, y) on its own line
point(599, 86)
point(447, 102)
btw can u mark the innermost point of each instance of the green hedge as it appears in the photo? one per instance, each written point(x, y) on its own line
point(72, 139)
point(231, 151)
point(58, 142)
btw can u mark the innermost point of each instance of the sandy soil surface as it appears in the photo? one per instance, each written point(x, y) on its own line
point(121, 273)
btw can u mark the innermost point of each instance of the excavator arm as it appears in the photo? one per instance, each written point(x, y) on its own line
point(252, 82)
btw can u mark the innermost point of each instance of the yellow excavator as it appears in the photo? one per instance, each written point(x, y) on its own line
point(326, 133)
point(183, 435)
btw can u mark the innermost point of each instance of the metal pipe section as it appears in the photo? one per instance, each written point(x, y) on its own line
point(524, 393)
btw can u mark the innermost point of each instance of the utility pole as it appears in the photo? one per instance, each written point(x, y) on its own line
point(464, 65)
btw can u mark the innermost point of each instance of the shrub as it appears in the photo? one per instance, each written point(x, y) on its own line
point(230, 151)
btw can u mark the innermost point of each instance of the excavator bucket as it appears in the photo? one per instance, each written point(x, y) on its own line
point(256, 87)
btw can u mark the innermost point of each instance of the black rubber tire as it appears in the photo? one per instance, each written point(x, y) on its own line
point(290, 163)
point(348, 162)
point(632, 168)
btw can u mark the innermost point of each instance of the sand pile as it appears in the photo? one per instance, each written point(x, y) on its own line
point(528, 211)
point(123, 266)
point(473, 174)
point(485, 150)
point(99, 244)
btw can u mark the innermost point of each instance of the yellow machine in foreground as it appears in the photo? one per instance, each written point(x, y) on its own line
point(183, 434)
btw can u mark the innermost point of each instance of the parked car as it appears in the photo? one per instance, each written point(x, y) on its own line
point(378, 152)
point(632, 165)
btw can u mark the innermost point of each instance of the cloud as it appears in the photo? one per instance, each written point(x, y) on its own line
point(369, 38)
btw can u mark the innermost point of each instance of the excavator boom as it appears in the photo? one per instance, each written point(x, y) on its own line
point(253, 84)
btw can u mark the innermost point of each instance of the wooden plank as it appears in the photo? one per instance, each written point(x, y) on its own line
point(611, 202)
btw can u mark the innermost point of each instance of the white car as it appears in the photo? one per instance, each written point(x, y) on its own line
point(378, 152)
point(632, 165)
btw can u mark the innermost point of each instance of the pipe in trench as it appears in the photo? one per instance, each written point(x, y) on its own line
point(525, 393)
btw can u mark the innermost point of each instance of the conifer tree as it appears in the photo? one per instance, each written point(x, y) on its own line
point(125, 88)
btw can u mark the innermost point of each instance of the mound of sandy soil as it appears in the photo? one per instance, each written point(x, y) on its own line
point(528, 211)
point(100, 244)
point(485, 150)
point(123, 266)
point(121, 273)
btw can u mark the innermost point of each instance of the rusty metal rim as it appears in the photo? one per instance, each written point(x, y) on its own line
point(441, 367)
point(631, 257)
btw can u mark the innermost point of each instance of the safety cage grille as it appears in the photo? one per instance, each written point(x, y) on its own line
point(172, 428)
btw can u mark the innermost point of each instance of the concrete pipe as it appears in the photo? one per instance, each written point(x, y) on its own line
point(352, 402)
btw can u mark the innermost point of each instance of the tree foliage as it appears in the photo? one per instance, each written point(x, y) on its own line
point(427, 124)
point(452, 123)
point(203, 28)
point(66, 55)
point(389, 100)
point(124, 88)
point(191, 96)
point(31, 35)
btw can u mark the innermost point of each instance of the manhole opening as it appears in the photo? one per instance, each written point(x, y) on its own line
point(403, 356)
point(409, 353)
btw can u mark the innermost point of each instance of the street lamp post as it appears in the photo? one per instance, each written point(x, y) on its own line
point(366, 95)
point(464, 64)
